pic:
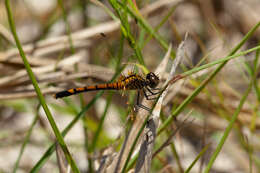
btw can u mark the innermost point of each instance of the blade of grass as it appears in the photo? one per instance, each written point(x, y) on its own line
point(228, 129)
point(197, 158)
point(164, 20)
point(257, 91)
point(100, 124)
point(205, 82)
point(169, 141)
point(121, 11)
point(83, 5)
point(256, 87)
point(38, 91)
point(134, 144)
point(221, 60)
point(107, 10)
point(27, 138)
point(72, 49)
point(256, 161)
point(148, 28)
point(51, 149)
point(172, 145)
point(64, 15)
point(176, 156)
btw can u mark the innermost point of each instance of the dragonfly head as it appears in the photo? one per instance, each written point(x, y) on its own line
point(152, 80)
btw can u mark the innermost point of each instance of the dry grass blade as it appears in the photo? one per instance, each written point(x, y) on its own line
point(61, 160)
point(70, 61)
point(145, 152)
point(6, 34)
point(146, 149)
point(168, 141)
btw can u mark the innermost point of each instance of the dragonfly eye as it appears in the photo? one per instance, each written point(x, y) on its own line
point(152, 80)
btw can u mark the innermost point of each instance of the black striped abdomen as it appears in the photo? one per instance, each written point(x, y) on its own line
point(73, 91)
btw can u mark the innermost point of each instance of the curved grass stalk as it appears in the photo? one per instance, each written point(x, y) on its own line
point(228, 129)
point(27, 138)
point(197, 158)
point(64, 15)
point(38, 91)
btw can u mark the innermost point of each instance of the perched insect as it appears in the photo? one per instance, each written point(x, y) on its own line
point(131, 82)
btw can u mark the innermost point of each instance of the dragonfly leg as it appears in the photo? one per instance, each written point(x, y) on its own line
point(148, 96)
point(139, 104)
point(151, 92)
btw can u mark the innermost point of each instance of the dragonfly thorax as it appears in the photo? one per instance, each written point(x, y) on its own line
point(152, 80)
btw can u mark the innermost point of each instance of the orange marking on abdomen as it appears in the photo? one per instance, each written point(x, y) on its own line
point(91, 87)
point(110, 85)
point(115, 85)
point(71, 91)
point(80, 89)
point(102, 86)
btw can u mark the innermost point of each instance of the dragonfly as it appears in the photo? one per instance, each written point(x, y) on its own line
point(132, 81)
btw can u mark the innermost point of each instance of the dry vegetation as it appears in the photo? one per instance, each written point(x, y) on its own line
point(80, 42)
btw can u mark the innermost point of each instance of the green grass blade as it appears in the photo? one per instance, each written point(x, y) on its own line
point(197, 158)
point(27, 138)
point(38, 91)
point(164, 20)
point(51, 149)
point(106, 9)
point(205, 82)
point(176, 156)
point(221, 60)
point(255, 69)
point(228, 129)
point(64, 15)
point(121, 10)
point(149, 29)
point(134, 144)
point(100, 124)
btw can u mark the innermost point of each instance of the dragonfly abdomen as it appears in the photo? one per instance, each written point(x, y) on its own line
point(108, 86)
point(132, 82)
